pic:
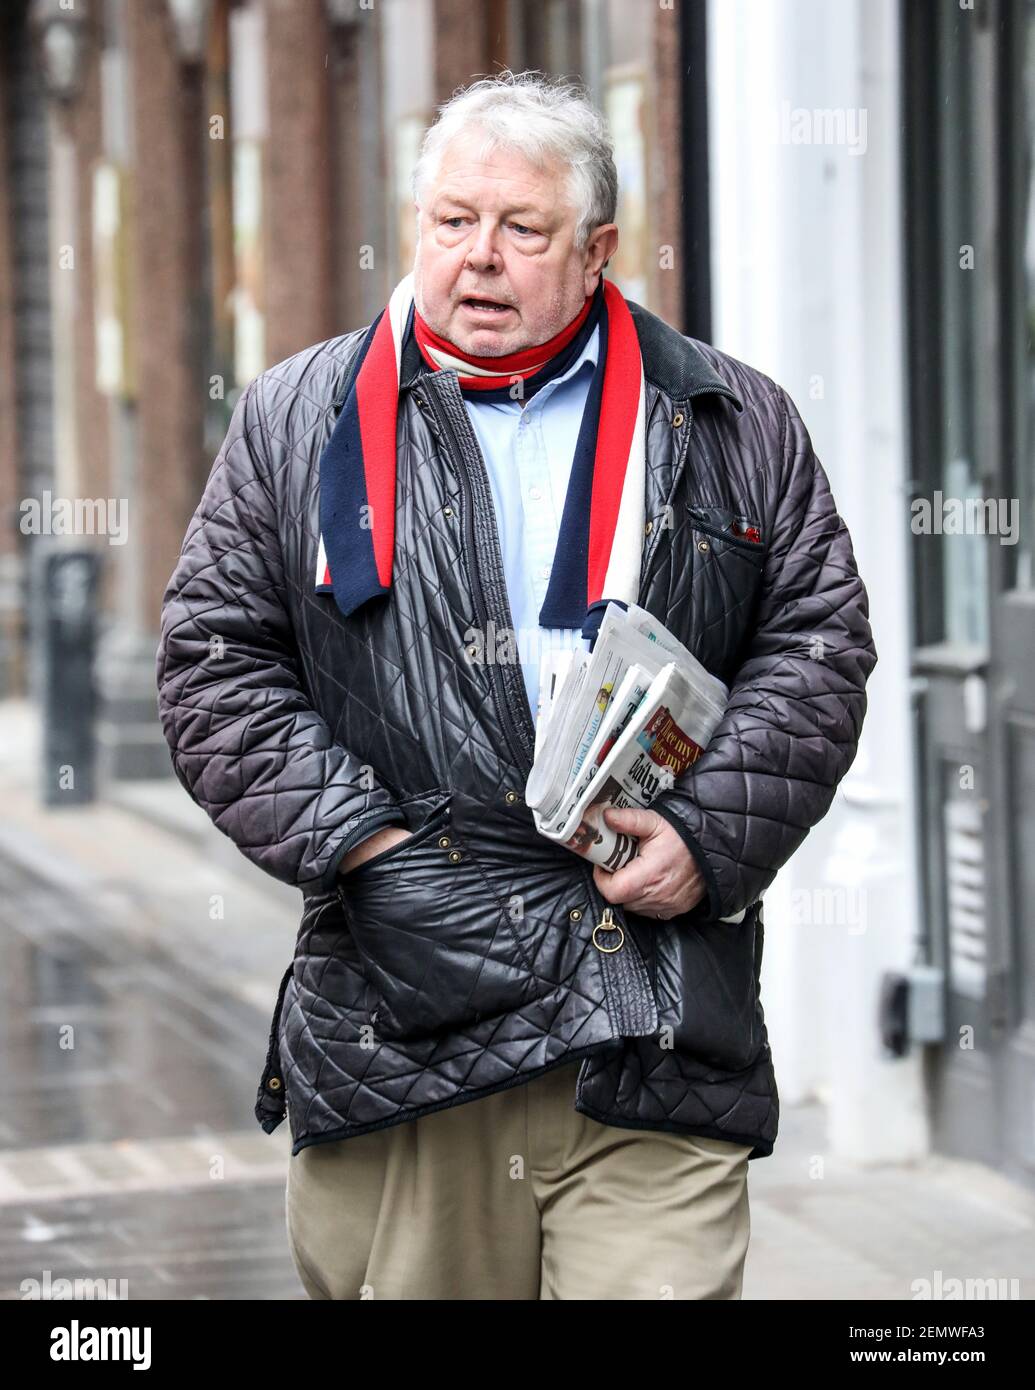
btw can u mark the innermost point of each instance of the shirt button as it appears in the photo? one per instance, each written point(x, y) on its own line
point(545, 572)
point(534, 493)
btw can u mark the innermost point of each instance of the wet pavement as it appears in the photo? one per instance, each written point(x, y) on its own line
point(138, 976)
point(128, 1148)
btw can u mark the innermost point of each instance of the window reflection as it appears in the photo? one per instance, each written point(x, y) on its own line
point(1024, 460)
point(964, 567)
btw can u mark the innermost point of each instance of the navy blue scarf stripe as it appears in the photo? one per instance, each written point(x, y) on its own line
point(566, 599)
point(343, 497)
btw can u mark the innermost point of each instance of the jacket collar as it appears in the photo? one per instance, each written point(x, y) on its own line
point(673, 363)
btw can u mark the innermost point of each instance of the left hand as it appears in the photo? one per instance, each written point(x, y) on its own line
point(663, 880)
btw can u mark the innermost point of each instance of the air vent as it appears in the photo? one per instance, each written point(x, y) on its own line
point(965, 897)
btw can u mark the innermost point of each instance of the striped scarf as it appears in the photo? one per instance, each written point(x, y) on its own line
point(598, 549)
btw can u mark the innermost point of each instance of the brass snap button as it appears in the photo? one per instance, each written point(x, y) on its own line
point(455, 856)
point(444, 842)
point(575, 915)
point(703, 546)
point(447, 511)
point(511, 797)
point(677, 420)
point(273, 1084)
point(648, 528)
point(472, 650)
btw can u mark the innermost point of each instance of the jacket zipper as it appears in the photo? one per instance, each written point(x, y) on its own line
point(750, 547)
point(606, 923)
point(677, 469)
point(518, 748)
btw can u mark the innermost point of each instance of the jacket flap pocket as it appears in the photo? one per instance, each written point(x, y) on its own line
point(425, 813)
point(728, 525)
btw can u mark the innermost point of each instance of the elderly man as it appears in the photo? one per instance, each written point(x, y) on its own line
point(507, 1075)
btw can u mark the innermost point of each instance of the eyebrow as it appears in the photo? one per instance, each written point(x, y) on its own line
point(524, 208)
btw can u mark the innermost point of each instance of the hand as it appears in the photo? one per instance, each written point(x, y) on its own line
point(663, 880)
point(377, 843)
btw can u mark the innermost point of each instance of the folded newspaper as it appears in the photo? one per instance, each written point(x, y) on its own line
point(613, 728)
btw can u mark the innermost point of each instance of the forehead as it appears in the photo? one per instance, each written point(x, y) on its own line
point(501, 175)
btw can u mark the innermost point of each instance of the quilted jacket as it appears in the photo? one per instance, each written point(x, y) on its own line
point(464, 959)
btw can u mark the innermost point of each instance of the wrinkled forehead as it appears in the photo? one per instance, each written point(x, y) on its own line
point(477, 167)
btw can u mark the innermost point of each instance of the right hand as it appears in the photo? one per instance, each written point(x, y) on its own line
point(374, 844)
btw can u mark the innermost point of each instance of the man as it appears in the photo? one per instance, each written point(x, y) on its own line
point(507, 1075)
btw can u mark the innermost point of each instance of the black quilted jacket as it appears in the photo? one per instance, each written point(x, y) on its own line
point(462, 960)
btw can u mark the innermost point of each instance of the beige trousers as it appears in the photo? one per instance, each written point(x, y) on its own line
point(518, 1196)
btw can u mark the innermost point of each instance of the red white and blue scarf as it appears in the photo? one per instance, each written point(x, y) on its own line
point(599, 544)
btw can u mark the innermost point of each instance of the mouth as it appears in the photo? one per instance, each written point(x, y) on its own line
point(493, 308)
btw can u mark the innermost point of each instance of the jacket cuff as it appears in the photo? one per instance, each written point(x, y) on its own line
point(711, 906)
point(376, 820)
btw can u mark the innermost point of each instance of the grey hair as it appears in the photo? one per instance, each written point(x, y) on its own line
point(542, 118)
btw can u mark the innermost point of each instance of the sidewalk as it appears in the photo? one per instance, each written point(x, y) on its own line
point(150, 855)
point(141, 959)
point(869, 1233)
point(134, 1152)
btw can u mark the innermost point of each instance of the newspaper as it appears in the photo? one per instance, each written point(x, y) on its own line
point(615, 727)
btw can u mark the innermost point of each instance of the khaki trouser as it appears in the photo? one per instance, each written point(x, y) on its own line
point(518, 1196)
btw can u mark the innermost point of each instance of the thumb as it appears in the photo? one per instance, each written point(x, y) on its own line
point(633, 820)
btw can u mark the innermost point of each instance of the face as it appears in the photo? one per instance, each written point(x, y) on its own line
point(496, 268)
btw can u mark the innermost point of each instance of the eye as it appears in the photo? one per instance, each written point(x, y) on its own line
point(450, 221)
point(519, 227)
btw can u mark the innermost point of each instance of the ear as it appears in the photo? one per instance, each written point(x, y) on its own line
point(602, 245)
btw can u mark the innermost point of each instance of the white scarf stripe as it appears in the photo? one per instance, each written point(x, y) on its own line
point(446, 359)
point(622, 580)
point(398, 312)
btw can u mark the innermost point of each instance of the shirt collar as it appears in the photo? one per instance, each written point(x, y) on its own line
point(588, 354)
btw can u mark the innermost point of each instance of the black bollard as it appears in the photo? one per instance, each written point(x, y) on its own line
point(64, 642)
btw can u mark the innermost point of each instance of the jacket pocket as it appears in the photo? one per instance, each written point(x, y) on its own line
point(727, 571)
point(422, 813)
point(436, 943)
point(708, 990)
point(723, 524)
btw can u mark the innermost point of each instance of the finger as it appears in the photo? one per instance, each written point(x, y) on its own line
point(633, 820)
point(626, 883)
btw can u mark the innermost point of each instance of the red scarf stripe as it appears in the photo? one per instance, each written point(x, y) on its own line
point(521, 364)
point(621, 388)
point(378, 403)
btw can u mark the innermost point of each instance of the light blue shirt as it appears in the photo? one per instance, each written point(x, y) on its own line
point(528, 452)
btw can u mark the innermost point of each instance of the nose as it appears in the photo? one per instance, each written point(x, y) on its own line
point(483, 253)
